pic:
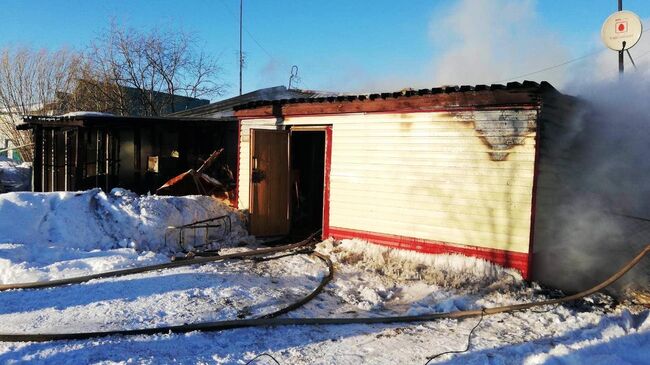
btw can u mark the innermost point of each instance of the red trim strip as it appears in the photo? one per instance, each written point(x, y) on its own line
point(510, 259)
point(236, 202)
point(326, 183)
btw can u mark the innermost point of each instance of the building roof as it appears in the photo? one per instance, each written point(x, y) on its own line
point(226, 107)
point(80, 119)
point(511, 86)
point(513, 94)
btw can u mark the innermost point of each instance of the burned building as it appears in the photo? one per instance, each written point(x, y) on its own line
point(84, 150)
point(87, 150)
point(481, 171)
point(443, 170)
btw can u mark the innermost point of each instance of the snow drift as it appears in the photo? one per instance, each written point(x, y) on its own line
point(95, 220)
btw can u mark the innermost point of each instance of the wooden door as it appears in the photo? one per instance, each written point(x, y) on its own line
point(269, 197)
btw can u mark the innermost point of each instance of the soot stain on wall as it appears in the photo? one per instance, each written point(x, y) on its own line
point(500, 135)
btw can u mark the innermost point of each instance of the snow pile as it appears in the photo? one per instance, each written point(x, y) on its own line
point(21, 263)
point(373, 279)
point(216, 291)
point(95, 220)
point(447, 270)
point(14, 176)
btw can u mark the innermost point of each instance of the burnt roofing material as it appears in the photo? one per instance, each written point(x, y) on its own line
point(526, 86)
point(227, 106)
point(80, 120)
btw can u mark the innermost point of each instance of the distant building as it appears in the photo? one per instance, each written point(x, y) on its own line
point(133, 103)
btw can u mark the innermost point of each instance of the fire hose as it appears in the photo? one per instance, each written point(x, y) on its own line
point(269, 321)
point(199, 260)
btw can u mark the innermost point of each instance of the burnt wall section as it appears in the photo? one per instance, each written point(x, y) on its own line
point(135, 156)
point(503, 134)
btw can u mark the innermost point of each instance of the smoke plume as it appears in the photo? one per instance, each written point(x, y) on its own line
point(601, 164)
point(599, 217)
point(490, 40)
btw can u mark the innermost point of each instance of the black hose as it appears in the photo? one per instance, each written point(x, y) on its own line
point(137, 270)
point(274, 322)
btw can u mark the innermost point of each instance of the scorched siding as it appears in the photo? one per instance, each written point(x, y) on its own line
point(463, 178)
point(435, 176)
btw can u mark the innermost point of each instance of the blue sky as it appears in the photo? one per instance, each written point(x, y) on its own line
point(338, 45)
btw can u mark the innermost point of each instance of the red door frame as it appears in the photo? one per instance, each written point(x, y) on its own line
point(328, 168)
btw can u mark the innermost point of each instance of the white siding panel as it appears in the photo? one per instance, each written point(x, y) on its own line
point(432, 176)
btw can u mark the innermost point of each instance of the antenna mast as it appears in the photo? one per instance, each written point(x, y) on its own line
point(621, 31)
point(241, 57)
point(294, 76)
point(621, 67)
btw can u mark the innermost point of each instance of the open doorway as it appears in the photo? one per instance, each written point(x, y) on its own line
point(307, 180)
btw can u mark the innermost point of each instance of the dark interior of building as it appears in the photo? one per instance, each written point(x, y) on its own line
point(139, 154)
point(307, 180)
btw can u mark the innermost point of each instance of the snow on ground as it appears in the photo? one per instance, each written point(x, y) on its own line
point(45, 236)
point(369, 281)
point(14, 176)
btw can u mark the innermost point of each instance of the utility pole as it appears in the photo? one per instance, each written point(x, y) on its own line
point(621, 67)
point(241, 56)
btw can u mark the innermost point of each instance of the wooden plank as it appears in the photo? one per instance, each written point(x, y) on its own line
point(37, 179)
point(475, 100)
point(269, 206)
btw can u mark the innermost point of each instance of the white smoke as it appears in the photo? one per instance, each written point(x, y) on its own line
point(601, 222)
point(600, 162)
point(490, 40)
point(473, 42)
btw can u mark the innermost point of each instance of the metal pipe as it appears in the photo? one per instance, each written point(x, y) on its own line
point(241, 57)
point(621, 65)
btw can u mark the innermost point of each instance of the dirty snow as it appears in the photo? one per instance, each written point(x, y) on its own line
point(14, 176)
point(369, 281)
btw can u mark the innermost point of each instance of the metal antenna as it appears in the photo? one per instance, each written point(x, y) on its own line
point(241, 57)
point(294, 76)
point(621, 66)
point(631, 60)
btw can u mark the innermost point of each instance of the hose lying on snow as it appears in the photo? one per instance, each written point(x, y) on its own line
point(199, 260)
point(272, 322)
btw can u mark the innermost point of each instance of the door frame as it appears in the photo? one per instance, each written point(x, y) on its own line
point(327, 129)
